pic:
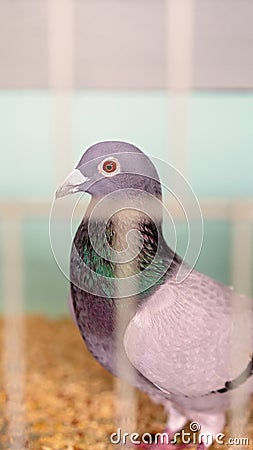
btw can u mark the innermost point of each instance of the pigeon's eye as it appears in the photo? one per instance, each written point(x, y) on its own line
point(109, 167)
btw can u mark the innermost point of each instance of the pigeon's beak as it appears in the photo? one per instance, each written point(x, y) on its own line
point(72, 184)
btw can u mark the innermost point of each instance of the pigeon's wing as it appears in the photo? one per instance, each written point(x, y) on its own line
point(192, 338)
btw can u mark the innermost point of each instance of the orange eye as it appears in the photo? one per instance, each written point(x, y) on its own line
point(109, 166)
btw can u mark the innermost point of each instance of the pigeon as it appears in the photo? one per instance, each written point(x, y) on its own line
point(177, 336)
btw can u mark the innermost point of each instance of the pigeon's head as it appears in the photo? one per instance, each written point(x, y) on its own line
point(109, 166)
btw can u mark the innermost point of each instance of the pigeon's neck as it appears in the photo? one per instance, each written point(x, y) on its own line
point(128, 244)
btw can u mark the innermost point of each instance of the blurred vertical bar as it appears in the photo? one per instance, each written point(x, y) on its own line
point(242, 254)
point(61, 41)
point(125, 308)
point(13, 355)
point(126, 400)
point(241, 268)
point(179, 77)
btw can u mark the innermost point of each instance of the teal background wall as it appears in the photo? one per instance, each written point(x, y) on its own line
point(220, 161)
point(220, 136)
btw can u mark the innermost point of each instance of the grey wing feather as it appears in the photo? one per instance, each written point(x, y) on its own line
point(191, 338)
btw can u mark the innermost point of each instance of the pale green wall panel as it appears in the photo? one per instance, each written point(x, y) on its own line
point(221, 146)
point(26, 144)
point(215, 254)
point(46, 288)
point(139, 117)
point(221, 136)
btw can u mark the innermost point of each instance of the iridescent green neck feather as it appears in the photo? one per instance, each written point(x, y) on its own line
point(154, 260)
